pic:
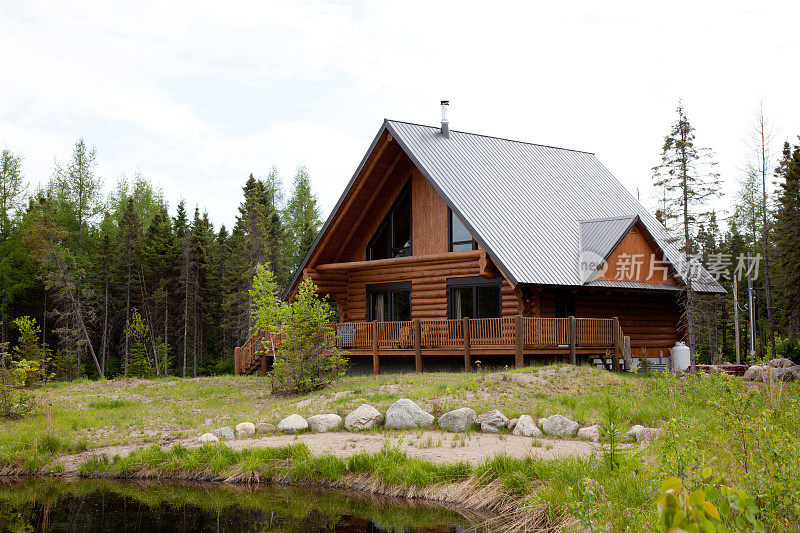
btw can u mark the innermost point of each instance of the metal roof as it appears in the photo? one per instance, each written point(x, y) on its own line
point(602, 235)
point(533, 208)
point(524, 202)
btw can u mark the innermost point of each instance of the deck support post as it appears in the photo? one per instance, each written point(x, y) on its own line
point(467, 355)
point(264, 354)
point(237, 361)
point(626, 352)
point(417, 325)
point(519, 340)
point(573, 341)
point(376, 366)
point(617, 340)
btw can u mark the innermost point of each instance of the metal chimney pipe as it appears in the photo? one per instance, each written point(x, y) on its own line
point(445, 122)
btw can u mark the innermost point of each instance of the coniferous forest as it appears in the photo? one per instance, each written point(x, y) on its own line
point(130, 284)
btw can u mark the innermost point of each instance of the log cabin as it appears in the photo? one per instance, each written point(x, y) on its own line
point(447, 243)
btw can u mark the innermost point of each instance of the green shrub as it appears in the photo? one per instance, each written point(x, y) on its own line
point(139, 364)
point(307, 357)
point(29, 349)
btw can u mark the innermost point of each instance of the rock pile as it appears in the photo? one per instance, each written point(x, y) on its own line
point(781, 369)
point(405, 414)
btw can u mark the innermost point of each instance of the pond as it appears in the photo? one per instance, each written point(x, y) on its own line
point(60, 504)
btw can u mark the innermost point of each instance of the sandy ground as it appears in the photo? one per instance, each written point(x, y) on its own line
point(476, 446)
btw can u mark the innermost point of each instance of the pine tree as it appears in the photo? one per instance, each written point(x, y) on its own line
point(129, 257)
point(159, 254)
point(80, 188)
point(15, 269)
point(787, 236)
point(687, 179)
point(302, 218)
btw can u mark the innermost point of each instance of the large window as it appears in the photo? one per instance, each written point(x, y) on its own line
point(460, 238)
point(393, 238)
point(474, 298)
point(387, 302)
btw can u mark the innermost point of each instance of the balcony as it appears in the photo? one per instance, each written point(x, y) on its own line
point(518, 335)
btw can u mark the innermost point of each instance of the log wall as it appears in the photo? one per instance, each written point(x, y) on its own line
point(651, 319)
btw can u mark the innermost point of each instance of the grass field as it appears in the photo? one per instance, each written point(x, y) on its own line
point(749, 434)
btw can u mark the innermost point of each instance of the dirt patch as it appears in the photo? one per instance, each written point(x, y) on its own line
point(433, 446)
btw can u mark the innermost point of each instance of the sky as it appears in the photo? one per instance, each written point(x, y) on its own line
point(197, 95)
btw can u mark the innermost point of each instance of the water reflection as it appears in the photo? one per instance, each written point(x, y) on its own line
point(46, 504)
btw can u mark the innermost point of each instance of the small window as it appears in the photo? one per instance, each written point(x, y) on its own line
point(460, 237)
point(393, 238)
point(388, 302)
point(474, 297)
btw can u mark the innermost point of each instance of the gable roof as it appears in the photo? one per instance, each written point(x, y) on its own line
point(524, 203)
point(602, 235)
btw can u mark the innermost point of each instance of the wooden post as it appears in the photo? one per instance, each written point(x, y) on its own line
point(573, 341)
point(264, 354)
point(615, 333)
point(237, 361)
point(376, 366)
point(417, 325)
point(519, 339)
point(467, 356)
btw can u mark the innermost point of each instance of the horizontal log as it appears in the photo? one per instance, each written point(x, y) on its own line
point(443, 257)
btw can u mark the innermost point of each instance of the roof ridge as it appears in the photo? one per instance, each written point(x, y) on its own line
point(493, 137)
point(608, 219)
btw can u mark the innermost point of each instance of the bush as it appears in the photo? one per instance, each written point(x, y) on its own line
point(307, 357)
point(139, 365)
point(14, 403)
point(29, 349)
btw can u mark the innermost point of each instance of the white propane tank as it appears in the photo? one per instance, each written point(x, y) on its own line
point(680, 356)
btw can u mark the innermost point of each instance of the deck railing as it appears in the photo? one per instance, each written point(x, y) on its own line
point(515, 335)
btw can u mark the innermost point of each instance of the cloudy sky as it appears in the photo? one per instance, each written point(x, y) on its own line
point(196, 95)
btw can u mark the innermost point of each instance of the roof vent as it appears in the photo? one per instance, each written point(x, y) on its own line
point(445, 123)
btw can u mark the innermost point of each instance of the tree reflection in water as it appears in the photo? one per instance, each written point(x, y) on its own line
point(46, 504)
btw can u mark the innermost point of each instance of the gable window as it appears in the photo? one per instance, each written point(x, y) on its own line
point(393, 237)
point(460, 238)
point(388, 302)
point(474, 297)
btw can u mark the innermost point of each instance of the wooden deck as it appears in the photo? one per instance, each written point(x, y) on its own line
point(518, 335)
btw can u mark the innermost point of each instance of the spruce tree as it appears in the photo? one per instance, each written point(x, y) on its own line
point(302, 218)
point(787, 237)
point(687, 179)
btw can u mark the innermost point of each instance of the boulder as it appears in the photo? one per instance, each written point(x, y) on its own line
point(631, 434)
point(512, 423)
point(207, 437)
point(225, 433)
point(405, 414)
point(245, 430)
point(647, 434)
point(493, 421)
point(781, 363)
point(560, 426)
point(792, 373)
point(526, 428)
point(263, 427)
point(540, 422)
point(292, 424)
point(457, 420)
point(326, 422)
point(364, 417)
point(755, 373)
point(590, 433)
